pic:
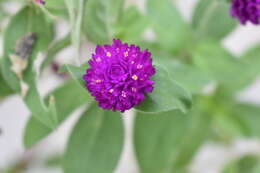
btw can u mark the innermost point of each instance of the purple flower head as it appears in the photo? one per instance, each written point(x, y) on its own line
point(119, 75)
point(40, 2)
point(246, 10)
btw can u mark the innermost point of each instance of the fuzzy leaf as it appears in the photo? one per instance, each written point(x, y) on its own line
point(65, 105)
point(166, 142)
point(27, 21)
point(96, 142)
point(167, 95)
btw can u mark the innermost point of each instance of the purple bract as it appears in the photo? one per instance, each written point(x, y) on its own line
point(246, 10)
point(119, 75)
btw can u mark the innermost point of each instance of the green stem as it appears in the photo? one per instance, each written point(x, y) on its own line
point(75, 24)
point(78, 24)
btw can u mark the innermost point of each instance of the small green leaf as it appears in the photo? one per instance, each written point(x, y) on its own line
point(96, 142)
point(166, 142)
point(171, 30)
point(100, 19)
point(167, 95)
point(46, 113)
point(65, 105)
point(212, 19)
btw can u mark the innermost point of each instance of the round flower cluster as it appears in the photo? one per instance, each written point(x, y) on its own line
point(246, 10)
point(119, 75)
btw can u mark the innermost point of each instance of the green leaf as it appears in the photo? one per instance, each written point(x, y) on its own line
point(170, 29)
point(96, 142)
point(65, 105)
point(46, 113)
point(57, 6)
point(27, 21)
point(76, 10)
point(247, 164)
point(131, 25)
point(212, 19)
point(167, 142)
point(190, 77)
point(167, 95)
point(100, 19)
point(221, 66)
point(54, 9)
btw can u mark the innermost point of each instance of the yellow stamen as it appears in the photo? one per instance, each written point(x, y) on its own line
point(108, 54)
point(98, 81)
point(134, 77)
point(125, 54)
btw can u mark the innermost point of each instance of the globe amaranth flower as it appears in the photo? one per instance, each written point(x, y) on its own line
point(246, 10)
point(119, 75)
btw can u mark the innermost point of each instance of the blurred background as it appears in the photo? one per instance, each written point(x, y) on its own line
point(44, 157)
